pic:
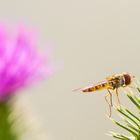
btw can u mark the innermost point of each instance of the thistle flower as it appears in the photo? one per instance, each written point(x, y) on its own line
point(20, 63)
point(20, 66)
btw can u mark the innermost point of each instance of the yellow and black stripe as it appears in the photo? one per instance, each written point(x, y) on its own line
point(100, 86)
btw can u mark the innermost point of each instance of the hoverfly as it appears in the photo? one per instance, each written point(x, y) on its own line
point(112, 84)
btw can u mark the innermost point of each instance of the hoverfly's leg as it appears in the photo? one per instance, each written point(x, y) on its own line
point(118, 99)
point(110, 110)
point(110, 97)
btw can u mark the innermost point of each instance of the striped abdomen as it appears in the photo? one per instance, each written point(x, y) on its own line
point(100, 86)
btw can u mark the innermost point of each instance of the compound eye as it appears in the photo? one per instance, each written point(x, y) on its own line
point(127, 78)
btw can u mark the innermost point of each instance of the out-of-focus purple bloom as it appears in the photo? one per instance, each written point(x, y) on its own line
point(20, 62)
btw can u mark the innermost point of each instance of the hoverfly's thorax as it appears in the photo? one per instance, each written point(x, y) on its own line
point(117, 81)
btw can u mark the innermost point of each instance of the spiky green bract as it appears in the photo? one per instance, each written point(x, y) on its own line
point(130, 121)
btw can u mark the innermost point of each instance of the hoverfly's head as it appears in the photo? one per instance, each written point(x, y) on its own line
point(128, 78)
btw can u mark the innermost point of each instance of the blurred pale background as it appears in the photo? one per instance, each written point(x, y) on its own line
point(93, 39)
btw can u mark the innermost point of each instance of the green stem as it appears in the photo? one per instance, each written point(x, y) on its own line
point(6, 123)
